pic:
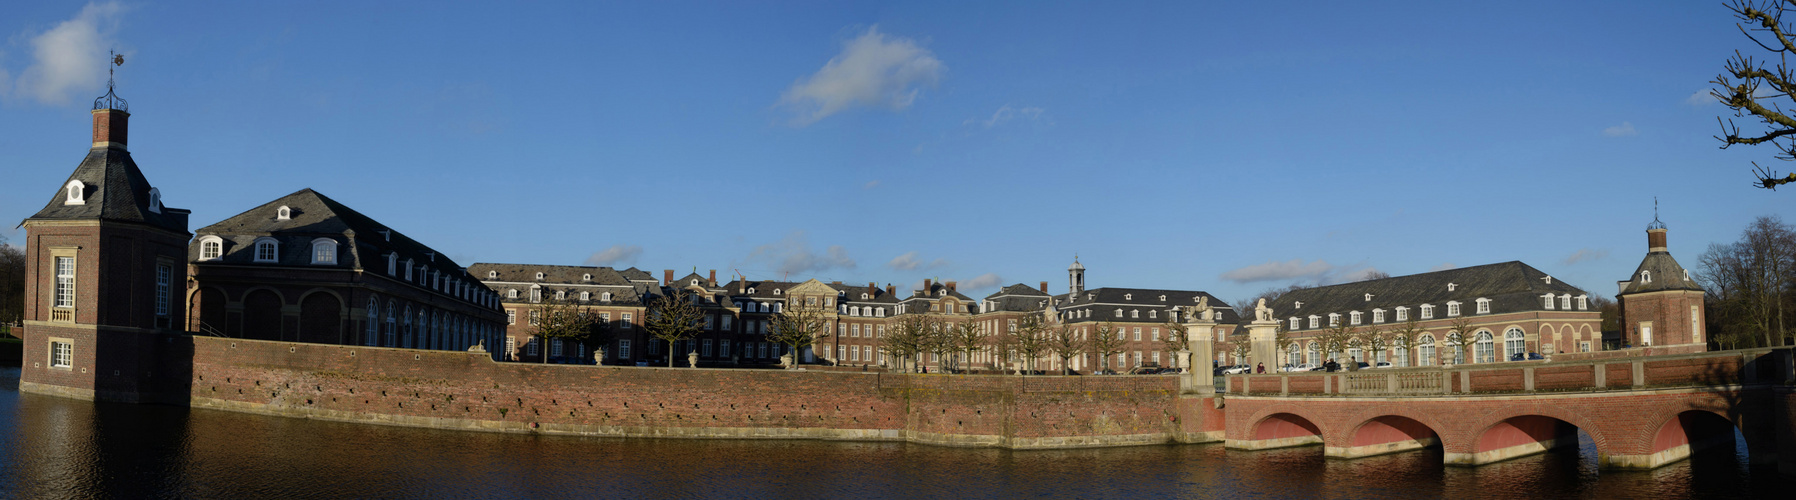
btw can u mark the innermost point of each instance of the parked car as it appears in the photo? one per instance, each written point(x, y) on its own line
point(1237, 370)
point(1318, 368)
point(1532, 356)
point(1381, 364)
point(1297, 368)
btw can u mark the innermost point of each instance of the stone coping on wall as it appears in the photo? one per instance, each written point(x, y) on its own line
point(1708, 369)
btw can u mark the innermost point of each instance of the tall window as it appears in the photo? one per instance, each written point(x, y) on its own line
point(555, 348)
point(388, 339)
point(62, 354)
point(1315, 353)
point(1425, 356)
point(373, 321)
point(1514, 342)
point(164, 274)
point(1485, 349)
point(65, 282)
point(511, 316)
point(1402, 357)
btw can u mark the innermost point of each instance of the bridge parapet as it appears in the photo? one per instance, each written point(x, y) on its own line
point(1710, 369)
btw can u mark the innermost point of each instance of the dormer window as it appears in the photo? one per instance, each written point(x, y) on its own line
point(536, 294)
point(694, 282)
point(156, 202)
point(1549, 301)
point(324, 251)
point(408, 269)
point(77, 193)
point(283, 213)
point(1483, 306)
point(605, 296)
point(1646, 276)
point(511, 294)
point(1353, 317)
point(585, 296)
point(267, 250)
point(1452, 308)
point(1377, 315)
point(1402, 314)
point(1152, 314)
point(863, 296)
point(1565, 302)
point(1582, 304)
point(1119, 313)
point(1334, 320)
point(539, 276)
point(492, 275)
point(1368, 297)
point(211, 248)
point(560, 295)
point(1294, 324)
point(586, 277)
point(776, 291)
point(1427, 311)
point(1314, 320)
point(1128, 296)
point(1451, 286)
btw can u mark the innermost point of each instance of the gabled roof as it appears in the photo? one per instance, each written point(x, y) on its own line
point(115, 190)
point(315, 215)
point(1511, 286)
point(1018, 297)
point(634, 274)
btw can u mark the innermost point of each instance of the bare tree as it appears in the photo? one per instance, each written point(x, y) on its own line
point(1461, 337)
point(1106, 343)
point(1245, 306)
point(797, 327)
point(938, 342)
point(1242, 351)
point(1404, 336)
point(967, 337)
point(1750, 282)
point(1747, 87)
point(557, 320)
point(906, 338)
point(1065, 343)
point(1337, 338)
point(12, 284)
point(1031, 340)
point(1375, 343)
point(674, 317)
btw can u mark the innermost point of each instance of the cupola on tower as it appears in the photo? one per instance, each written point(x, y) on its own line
point(1661, 305)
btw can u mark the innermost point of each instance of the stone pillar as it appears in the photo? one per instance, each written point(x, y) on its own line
point(1200, 340)
point(1262, 335)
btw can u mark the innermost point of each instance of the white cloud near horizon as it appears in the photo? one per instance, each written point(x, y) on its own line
point(1317, 272)
point(1585, 254)
point(1626, 129)
point(619, 254)
point(1700, 98)
point(792, 255)
point(910, 262)
point(69, 57)
point(872, 70)
point(986, 280)
point(1006, 113)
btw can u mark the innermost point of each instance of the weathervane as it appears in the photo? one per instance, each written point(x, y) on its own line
point(111, 100)
point(1656, 224)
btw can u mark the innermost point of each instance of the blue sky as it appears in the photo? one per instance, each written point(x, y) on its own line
point(1219, 146)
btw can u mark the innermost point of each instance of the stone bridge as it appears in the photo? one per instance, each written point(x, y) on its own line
point(1641, 412)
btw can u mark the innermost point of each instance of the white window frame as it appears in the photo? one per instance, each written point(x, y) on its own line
point(211, 248)
point(1377, 316)
point(1353, 317)
point(64, 293)
point(164, 280)
point(62, 353)
point(1483, 305)
point(77, 193)
point(1427, 311)
point(1452, 308)
point(272, 247)
point(1402, 313)
point(324, 251)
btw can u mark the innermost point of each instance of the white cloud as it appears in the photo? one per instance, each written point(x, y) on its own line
point(986, 280)
point(1006, 113)
point(1700, 98)
point(1585, 254)
point(910, 262)
point(872, 70)
point(1349, 276)
point(870, 185)
point(1624, 130)
point(70, 56)
point(615, 256)
point(1294, 269)
point(792, 255)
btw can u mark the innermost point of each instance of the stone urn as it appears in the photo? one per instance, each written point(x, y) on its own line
point(1184, 362)
point(786, 361)
point(598, 356)
point(692, 359)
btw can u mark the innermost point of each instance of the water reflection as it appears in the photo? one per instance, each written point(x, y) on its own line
point(61, 448)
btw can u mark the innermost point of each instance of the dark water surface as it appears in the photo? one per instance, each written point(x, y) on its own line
point(58, 448)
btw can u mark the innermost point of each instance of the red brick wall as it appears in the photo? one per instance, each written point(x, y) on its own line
point(468, 390)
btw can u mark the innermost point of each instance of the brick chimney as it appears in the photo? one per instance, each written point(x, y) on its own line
point(928, 285)
point(669, 274)
point(110, 126)
point(891, 289)
point(1655, 240)
point(872, 289)
point(713, 282)
point(951, 287)
point(1044, 287)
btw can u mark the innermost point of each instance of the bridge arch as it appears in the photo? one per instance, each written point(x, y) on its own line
point(1386, 430)
point(1279, 426)
point(1524, 429)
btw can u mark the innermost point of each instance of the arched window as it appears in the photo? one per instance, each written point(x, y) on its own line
point(373, 321)
point(1646, 276)
point(1151, 314)
point(405, 325)
point(561, 295)
point(211, 247)
point(77, 193)
point(1514, 343)
point(1425, 351)
point(283, 213)
point(1293, 356)
point(1315, 353)
point(1484, 349)
point(324, 251)
point(387, 338)
point(267, 250)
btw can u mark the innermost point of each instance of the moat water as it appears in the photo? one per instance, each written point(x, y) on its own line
point(59, 448)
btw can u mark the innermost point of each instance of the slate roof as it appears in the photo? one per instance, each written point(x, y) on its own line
point(116, 191)
point(1018, 297)
point(759, 289)
point(634, 274)
point(1104, 302)
point(314, 215)
point(851, 294)
point(1511, 286)
point(526, 273)
point(1666, 275)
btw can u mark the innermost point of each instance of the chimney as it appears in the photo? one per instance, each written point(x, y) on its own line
point(1044, 287)
point(669, 280)
point(891, 289)
point(1655, 240)
point(713, 278)
point(927, 285)
point(951, 287)
point(872, 289)
point(109, 128)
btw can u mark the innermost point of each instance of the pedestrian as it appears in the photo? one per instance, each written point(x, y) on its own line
point(1329, 366)
point(1353, 364)
point(1260, 369)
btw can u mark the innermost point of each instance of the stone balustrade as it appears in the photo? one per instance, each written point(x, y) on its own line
point(1707, 369)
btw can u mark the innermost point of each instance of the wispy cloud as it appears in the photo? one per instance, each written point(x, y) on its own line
point(986, 280)
point(870, 185)
point(1624, 130)
point(70, 56)
point(1700, 98)
point(793, 255)
point(617, 255)
point(872, 70)
point(1585, 254)
point(910, 262)
point(1318, 272)
point(1004, 114)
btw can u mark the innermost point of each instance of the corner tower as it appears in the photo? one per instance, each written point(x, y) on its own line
point(104, 275)
point(1661, 305)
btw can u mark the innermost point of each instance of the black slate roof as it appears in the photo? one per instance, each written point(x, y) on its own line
point(1665, 272)
point(526, 273)
point(634, 274)
point(1511, 286)
point(1104, 302)
point(315, 215)
point(115, 190)
point(1019, 298)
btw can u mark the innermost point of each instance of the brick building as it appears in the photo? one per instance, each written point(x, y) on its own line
point(306, 268)
point(1661, 305)
point(617, 301)
point(1142, 316)
point(1511, 308)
